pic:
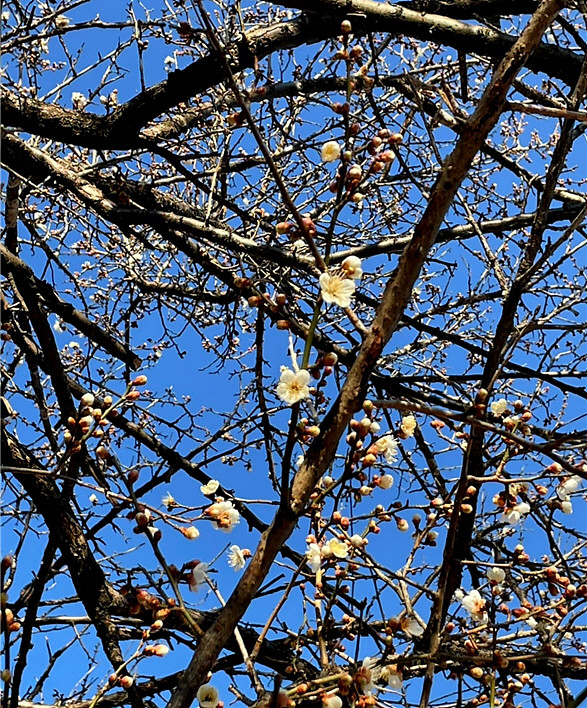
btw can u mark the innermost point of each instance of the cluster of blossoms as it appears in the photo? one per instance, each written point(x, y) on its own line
point(564, 491)
point(353, 176)
point(513, 510)
point(498, 408)
point(359, 688)
point(223, 515)
point(333, 549)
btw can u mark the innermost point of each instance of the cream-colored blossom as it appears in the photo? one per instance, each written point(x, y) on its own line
point(331, 700)
point(569, 486)
point(293, 385)
point(330, 151)
point(314, 556)
point(191, 533)
point(169, 502)
point(388, 446)
point(237, 557)
point(79, 100)
point(208, 696)
point(513, 516)
point(392, 676)
point(357, 541)
point(351, 267)
point(386, 481)
point(336, 289)
point(364, 676)
point(408, 425)
point(335, 548)
point(498, 408)
point(211, 487)
point(496, 575)
point(224, 515)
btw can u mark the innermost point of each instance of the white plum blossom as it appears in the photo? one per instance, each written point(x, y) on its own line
point(293, 385)
point(331, 700)
point(566, 507)
point(336, 289)
point(513, 516)
point(198, 576)
point(237, 557)
point(330, 151)
point(498, 408)
point(496, 575)
point(569, 486)
point(191, 533)
point(388, 446)
point(357, 541)
point(364, 676)
point(475, 604)
point(79, 101)
point(208, 696)
point(352, 267)
point(335, 548)
point(408, 425)
point(412, 627)
point(211, 487)
point(59, 326)
point(391, 675)
point(386, 481)
point(224, 515)
point(314, 557)
point(168, 501)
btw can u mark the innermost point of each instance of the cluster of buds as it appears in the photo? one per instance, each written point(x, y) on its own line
point(91, 421)
point(125, 681)
point(307, 431)
point(111, 101)
point(558, 582)
point(353, 179)
point(9, 621)
point(294, 231)
point(349, 54)
point(274, 305)
point(93, 418)
point(143, 600)
point(143, 519)
point(324, 365)
point(380, 148)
